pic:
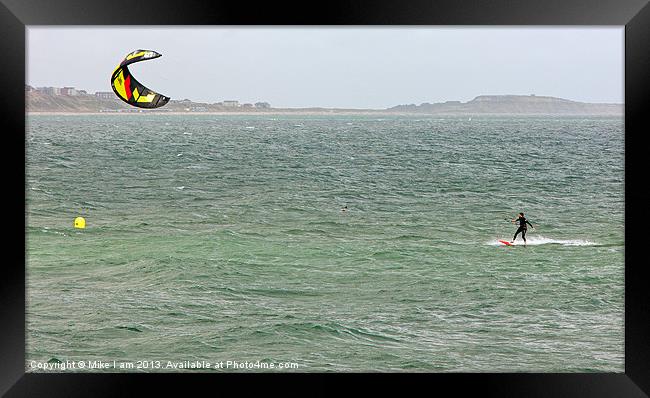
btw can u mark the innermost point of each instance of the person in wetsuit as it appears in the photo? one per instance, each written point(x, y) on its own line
point(522, 227)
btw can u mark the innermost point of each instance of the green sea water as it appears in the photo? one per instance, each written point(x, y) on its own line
point(221, 238)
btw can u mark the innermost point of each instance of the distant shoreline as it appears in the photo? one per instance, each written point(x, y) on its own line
point(264, 113)
point(320, 113)
point(483, 105)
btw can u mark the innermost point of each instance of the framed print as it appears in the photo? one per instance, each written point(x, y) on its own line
point(440, 192)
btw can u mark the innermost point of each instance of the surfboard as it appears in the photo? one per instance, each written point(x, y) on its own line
point(505, 242)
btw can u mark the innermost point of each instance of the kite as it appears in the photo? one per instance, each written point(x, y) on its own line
point(132, 91)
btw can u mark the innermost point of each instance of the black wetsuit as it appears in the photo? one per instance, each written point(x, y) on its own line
point(522, 228)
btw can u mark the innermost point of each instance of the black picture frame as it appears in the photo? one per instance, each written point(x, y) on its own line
point(15, 15)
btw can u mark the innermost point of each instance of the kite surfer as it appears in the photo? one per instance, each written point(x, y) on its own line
point(522, 227)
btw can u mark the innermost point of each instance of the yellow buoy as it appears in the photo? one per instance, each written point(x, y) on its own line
point(80, 222)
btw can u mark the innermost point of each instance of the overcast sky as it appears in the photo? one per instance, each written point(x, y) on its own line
point(351, 67)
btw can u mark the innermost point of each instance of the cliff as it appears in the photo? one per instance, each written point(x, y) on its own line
point(514, 104)
point(484, 104)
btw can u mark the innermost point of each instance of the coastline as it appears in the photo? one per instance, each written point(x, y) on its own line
point(483, 105)
point(325, 113)
point(67, 113)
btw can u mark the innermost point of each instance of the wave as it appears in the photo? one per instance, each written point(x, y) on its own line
point(541, 240)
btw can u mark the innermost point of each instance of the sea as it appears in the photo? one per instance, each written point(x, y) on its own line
point(323, 243)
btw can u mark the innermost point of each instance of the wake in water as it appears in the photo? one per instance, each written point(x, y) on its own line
point(541, 240)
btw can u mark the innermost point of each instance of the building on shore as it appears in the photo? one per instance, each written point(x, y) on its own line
point(49, 90)
point(104, 94)
point(262, 105)
point(231, 104)
point(68, 91)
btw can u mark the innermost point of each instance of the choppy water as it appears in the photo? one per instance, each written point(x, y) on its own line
point(221, 238)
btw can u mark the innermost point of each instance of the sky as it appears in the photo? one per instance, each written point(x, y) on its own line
point(334, 67)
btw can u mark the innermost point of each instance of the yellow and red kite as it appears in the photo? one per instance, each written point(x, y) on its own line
point(130, 90)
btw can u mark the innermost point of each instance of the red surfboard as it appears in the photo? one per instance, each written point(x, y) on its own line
point(505, 242)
